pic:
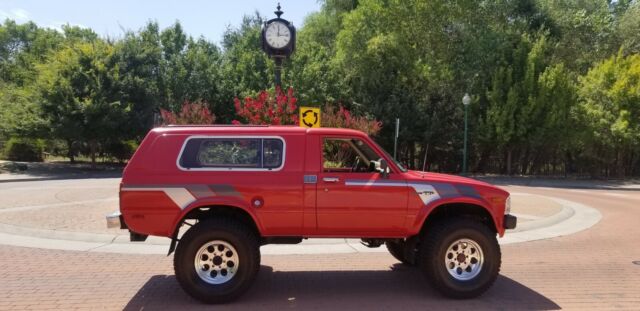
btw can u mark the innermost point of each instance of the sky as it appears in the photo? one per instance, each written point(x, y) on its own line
point(108, 18)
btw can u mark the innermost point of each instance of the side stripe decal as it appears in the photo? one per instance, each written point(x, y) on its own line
point(427, 192)
point(183, 195)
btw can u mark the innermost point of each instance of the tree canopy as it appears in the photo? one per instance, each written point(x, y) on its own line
point(554, 84)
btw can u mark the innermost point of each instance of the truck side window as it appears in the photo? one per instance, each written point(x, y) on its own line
point(272, 150)
point(243, 153)
point(229, 153)
point(348, 155)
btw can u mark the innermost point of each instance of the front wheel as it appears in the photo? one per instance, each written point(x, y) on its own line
point(217, 260)
point(461, 258)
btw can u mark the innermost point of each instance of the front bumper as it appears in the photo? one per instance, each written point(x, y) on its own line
point(115, 220)
point(510, 221)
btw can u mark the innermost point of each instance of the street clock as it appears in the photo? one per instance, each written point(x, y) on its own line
point(278, 40)
point(278, 36)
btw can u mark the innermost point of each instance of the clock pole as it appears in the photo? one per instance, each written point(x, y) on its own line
point(278, 45)
point(278, 69)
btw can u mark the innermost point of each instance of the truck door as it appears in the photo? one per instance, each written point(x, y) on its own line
point(353, 197)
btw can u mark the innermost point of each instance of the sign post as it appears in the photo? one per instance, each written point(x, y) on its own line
point(395, 139)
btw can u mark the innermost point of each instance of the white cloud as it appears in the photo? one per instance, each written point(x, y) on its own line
point(17, 14)
point(58, 26)
point(21, 14)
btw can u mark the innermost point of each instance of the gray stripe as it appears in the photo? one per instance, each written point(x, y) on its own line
point(227, 190)
point(468, 191)
point(446, 190)
point(200, 191)
point(154, 186)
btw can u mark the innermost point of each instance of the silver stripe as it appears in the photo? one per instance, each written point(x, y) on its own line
point(426, 192)
point(375, 183)
point(180, 196)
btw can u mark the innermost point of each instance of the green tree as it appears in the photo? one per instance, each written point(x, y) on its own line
point(20, 115)
point(610, 104)
point(138, 59)
point(79, 98)
point(628, 28)
point(21, 47)
point(246, 68)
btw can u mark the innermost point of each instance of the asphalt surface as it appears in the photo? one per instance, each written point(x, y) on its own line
point(590, 269)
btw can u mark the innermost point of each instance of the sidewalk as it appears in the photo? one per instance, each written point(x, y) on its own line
point(571, 183)
point(11, 171)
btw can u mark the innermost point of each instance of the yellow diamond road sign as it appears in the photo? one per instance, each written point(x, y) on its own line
point(309, 117)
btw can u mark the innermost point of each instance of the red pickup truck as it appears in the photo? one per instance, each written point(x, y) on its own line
point(220, 192)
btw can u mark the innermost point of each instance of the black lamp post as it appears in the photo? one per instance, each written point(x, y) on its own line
point(466, 100)
point(278, 41)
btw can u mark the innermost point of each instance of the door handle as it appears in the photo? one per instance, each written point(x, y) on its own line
point(331, 179)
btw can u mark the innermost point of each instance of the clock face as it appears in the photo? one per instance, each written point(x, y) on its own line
point(277, 35)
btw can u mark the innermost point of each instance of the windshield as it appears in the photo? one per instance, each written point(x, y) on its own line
point(400, 166)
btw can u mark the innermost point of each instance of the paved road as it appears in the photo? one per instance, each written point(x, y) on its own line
point(591, 269)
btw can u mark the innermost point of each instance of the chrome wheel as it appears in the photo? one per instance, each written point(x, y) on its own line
point(216, 262)
point(464, 259)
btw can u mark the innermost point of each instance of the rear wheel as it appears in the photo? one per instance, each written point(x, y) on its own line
point(217, 260)
point(461, 258)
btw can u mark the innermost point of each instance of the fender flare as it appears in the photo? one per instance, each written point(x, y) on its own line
point(427, 210)
point(210, 202)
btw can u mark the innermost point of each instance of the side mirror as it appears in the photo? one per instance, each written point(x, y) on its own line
point(384, 166)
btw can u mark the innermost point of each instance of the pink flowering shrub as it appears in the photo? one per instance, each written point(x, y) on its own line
point(190, 113)
point(343, 118)
point(268, 108)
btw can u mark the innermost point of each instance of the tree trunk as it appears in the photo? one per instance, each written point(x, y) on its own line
point(412, 154)
point(509, 161)
point(70, 153)
point(482, 162)
point(93, 149)
point(524, 162)
point(620, 167)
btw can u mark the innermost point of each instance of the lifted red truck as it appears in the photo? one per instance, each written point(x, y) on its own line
point(232, 189)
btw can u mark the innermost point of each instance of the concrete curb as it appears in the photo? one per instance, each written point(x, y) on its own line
point(573, 217)
point(584, 217)
point(59, 177)
point(564, 214)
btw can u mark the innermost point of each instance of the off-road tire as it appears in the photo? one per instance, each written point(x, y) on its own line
point(432, 262)
point(235, 234)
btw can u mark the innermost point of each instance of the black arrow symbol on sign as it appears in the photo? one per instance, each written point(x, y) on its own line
point(304, 118)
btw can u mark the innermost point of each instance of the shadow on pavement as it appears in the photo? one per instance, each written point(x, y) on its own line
point(402, 288)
